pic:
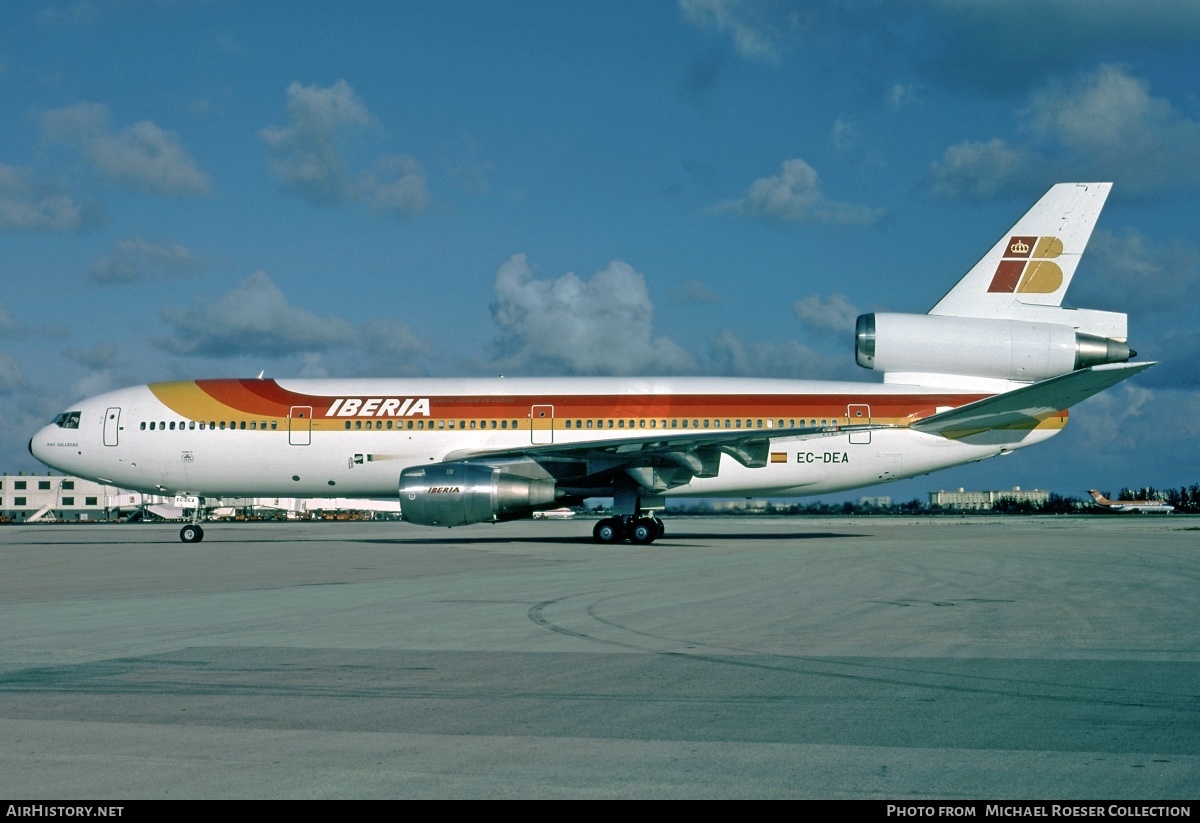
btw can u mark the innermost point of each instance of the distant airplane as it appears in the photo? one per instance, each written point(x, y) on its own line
point(1131, 506)
point(555, 514)
point(990, 369)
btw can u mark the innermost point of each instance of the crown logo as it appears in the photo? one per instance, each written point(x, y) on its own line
point(1019, 248)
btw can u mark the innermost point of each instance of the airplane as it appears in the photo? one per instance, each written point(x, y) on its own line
point(1131, 506)
point(991, 368)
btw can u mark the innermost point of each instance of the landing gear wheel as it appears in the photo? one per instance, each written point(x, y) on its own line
point(609, 530)
point(191, 534)
point(644, 531)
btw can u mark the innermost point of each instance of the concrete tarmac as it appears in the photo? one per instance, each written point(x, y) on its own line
point(890, 658)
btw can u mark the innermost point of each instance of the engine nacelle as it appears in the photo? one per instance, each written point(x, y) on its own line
point(1018, 350)
point(458, 494)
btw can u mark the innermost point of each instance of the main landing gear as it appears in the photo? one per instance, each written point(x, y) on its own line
point(637, 530)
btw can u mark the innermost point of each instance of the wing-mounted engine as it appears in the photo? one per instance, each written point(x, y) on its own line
point(458, 494)
point(1005, 349)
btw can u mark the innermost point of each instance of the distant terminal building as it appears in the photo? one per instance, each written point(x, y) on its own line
point(983, 501)
point(32, 497)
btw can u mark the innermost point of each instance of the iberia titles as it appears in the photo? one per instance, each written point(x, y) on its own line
point(379, 407)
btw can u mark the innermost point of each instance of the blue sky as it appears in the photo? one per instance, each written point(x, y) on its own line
point(201, 189)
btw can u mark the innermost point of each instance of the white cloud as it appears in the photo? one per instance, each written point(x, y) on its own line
point(794, 196)
point(309, 155)
point(730, 356)
point(10, 327)
point(978, 170)
point(599, 326)
point(99, 356)
point(305, 155)
point(11, 377)
point(1138, 276)
point(141, 156)
point(253, 318)
point(138, 259)
point(696, 293)
point(400, 188)
point(760, 30)
point(833, 313)
point(393, 349)
point(1111, 117)
point(28, 206)
point(1105, 125)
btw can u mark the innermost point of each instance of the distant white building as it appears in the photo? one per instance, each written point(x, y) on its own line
point(31, 497)
point(982, 501)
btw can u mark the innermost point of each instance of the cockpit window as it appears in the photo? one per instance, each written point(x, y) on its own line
point(67, 420)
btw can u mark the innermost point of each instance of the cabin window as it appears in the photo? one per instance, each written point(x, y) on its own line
point(706, 424)
point(143, 425)
point(642, 423)
point(759, 423)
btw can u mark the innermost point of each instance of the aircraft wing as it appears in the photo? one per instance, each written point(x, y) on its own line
point(682, 455)
point(1029, 405)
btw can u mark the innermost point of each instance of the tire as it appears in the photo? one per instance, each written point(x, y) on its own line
point(191, 534)
point(644, 532)
point(608, 531)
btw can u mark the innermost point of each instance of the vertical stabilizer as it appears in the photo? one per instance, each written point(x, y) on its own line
point(1033, 263)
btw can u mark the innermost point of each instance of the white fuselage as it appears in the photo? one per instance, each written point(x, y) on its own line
point(352, 438)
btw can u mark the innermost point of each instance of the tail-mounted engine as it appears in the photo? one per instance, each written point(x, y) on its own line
point(1018, 350)
point(458, 494)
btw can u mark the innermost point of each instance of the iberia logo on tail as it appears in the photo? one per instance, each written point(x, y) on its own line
point(1028, 266)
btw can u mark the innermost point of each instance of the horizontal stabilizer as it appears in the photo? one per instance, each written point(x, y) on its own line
point(1027, 406)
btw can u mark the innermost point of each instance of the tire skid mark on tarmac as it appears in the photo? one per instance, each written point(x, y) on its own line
point(956, 682)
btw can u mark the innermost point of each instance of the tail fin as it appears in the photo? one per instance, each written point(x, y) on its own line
point(1026, 274)
point(1004, 322)
point(1099, 498)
